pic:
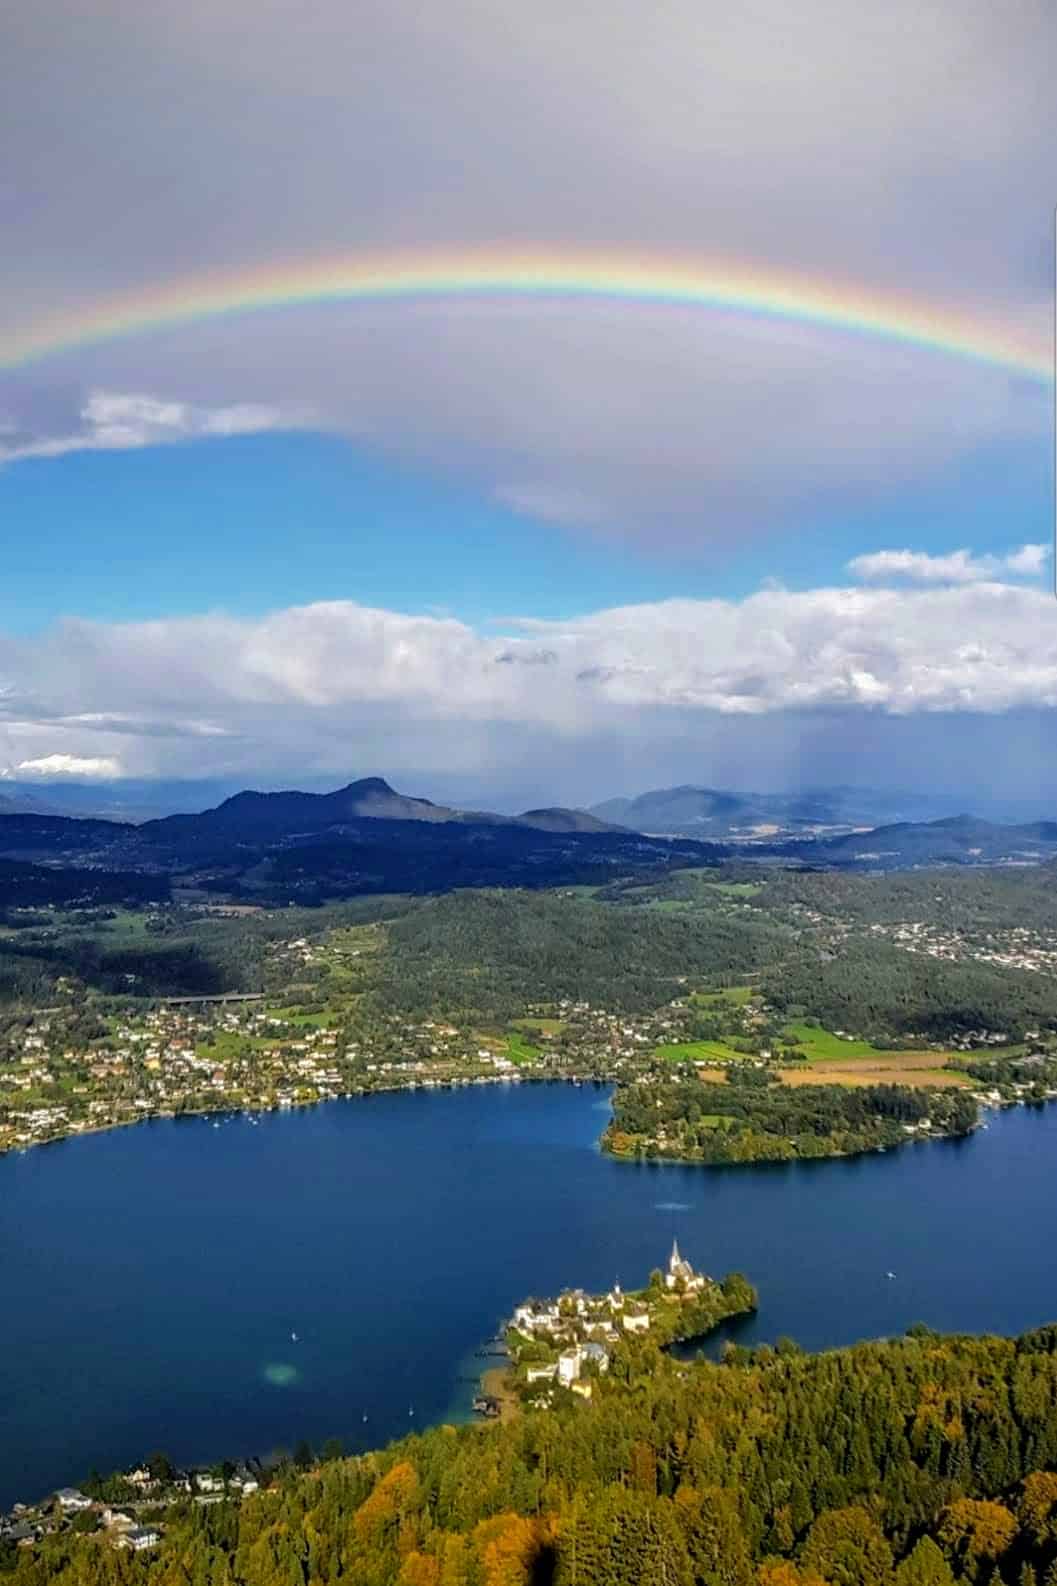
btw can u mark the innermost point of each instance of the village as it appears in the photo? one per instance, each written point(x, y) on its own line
point(570, 1342)
point(127, 1509)
point(251, 1054)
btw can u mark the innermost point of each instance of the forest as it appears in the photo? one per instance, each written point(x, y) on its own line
point(887, 995)
point(918, 1461)
point(961, 899)
point(754, 1119)
point(489, 954)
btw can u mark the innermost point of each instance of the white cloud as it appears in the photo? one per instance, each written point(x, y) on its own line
point(102, 767)
point(121, 421)
point(957, 567)
point(308, 689)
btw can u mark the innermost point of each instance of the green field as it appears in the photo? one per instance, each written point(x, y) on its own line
point(539, 1026)
point(519, 1050)
point(303, 1021)
point(737, 995)
point(821, 1045)
point(698, 1052)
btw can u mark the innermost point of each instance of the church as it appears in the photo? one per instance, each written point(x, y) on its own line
point(680, 1269)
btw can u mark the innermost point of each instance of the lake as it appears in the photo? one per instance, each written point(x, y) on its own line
point(152, 1280)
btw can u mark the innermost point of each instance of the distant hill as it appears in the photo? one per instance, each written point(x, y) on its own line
point(563, 820)
point(958, 839)
point(362, 838)
point(251, 814)
point(25, 804)
point(728, 815)
point(367, 837)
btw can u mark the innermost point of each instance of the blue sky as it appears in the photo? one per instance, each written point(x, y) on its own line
point(253, 523)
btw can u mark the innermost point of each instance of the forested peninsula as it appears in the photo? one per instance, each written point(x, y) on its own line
point(753, 1118)
point(919, 1461)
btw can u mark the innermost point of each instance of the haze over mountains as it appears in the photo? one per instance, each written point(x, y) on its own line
point(722, 814)
point(366, 837)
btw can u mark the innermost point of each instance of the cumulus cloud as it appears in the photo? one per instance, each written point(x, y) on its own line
point(956, 567)
point(101, 767)
point(122, 421)
point(308, 689)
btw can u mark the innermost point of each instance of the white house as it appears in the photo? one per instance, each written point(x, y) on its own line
point(71, 1501)
point(540, 1373)
point(142, 1537)
point(635, 1321)
point(568, 1366)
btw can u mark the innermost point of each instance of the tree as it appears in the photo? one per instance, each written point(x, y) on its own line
point(715, 1540)
point(1037, 1509)
point(975, 1531)
point(160, 1467)
point(924, 1566)
point(847, 1548)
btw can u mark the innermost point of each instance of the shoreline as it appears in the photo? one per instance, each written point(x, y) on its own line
point(985, 1106)
point(260, 1109)
point(517, 1078)
point(498, 1383)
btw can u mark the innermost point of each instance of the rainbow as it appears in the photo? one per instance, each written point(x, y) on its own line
point(536, 276)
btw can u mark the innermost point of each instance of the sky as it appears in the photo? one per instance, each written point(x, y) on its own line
point(518, 546)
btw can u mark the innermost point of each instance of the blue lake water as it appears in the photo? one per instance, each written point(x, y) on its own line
point(151, 1279)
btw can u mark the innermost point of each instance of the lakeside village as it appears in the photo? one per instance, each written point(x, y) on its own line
point(572, 1342)
point(81, 1068)
point(553, 1347)
point(87, 1066)
point(127, 1509)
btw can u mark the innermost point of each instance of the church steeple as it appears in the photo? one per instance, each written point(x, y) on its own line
point(675, 1260)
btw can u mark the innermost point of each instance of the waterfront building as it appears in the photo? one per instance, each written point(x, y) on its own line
point(71, 1501)
point(680, 1270)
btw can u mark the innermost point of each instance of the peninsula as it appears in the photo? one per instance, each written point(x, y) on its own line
point(574, 1340)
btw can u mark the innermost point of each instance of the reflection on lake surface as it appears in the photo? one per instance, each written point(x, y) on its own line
point(215, 1292)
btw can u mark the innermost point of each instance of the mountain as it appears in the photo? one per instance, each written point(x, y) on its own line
point(361, 838)
point(563, 820)
point(128, 799)
point(20, 803)
point(249, 814)
point(958, 839)
point(254, 815)
point(727, 815)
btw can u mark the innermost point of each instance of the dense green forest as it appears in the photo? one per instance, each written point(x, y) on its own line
point(752, 1119)
point(488, 954)
point(885, 994)
point(492, 954)
point(920, 1461)
point(24, 885)
point(995, 897)
point(170, 953)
